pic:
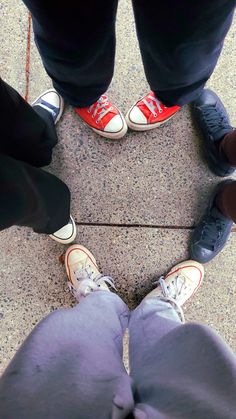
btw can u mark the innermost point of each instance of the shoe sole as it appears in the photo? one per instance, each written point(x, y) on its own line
point(61, 107)
point(66, 241)
point(145, 127)
point(109, 135)
point(80, 248)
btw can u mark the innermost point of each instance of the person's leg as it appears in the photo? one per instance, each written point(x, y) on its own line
point(179, 371)
point(219, 137)
point(226, 201)
point(32, 197)
point(71, 364)
point(27, 134)
point(76, 42)
point(180, 42)
point(212, 232)
point(228, 147)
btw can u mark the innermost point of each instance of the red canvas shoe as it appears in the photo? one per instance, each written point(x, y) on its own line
point(104, 118)
point(149, 113)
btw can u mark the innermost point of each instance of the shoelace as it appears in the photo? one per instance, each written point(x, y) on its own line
point(211, 232)
point(214, 120)
point(172, 292)
point(100, 108)
point(88, 282)
point(154, 105)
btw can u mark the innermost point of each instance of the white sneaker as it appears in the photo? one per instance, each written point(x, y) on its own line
point(179, 285)
point(52, 102)
point(83, 274)
point(66, 234)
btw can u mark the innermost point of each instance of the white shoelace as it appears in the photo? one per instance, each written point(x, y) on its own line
point(172, 291)
point(100, 108)
point(154, 105)
point(88, 282)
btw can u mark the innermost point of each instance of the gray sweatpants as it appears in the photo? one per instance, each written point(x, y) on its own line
point(70, 367)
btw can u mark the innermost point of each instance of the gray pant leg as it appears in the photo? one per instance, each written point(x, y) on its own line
point(180, 371)
point(71, 365)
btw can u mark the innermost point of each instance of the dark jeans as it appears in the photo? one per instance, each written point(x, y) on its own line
point(29, 195)
point(70, 367)
point(180, 43)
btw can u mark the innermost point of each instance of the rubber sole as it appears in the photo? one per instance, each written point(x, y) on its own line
point(70, 239)
point(145, 127)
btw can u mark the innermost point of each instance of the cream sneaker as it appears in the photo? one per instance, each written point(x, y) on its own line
point(83, 273)
point(179, 285)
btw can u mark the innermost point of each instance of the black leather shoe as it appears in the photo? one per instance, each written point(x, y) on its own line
point(211, 234)
point(212, 120)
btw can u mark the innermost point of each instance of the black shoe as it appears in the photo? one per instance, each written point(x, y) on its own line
point(213, 121)
point(212, 233)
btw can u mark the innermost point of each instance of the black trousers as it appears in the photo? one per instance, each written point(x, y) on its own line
point(180, 42)
point(29, 195)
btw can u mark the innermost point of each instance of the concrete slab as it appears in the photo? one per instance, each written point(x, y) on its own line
point(155, 178)
point(13, 44)
point(33, 283)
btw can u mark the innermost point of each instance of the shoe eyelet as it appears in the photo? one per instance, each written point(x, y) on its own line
point(160, 111)
point(155, 115)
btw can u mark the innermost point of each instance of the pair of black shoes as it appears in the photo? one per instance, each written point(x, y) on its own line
point(211, 234)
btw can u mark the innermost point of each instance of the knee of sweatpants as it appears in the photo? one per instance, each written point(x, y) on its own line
point(199, 332)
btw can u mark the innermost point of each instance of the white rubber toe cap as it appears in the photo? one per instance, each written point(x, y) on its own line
point(66, 234)
point(136, 116)
point(52, 97)
point(115, 125)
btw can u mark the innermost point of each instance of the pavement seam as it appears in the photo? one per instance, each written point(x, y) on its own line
point(27, 58)
point(167, 227)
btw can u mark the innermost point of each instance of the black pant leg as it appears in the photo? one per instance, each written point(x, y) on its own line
point(180, 43)
point(27, 133)
point(32, 197)
point(76, 41)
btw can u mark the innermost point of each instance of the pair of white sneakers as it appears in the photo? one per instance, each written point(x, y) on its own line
point(177, 287)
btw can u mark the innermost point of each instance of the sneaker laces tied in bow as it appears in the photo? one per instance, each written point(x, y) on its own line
point(172, 291)
point(88, 282)
point(154, 105)
point(100, 108)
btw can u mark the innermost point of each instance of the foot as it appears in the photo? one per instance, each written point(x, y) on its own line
point(149, 113)
point(104, 118)
point(213, 121)
point(66, 234)
point(212, 233)
point(52, 102)
point(179, 285)
point(83, 274)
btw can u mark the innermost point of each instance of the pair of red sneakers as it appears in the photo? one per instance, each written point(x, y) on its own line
point(107, 121)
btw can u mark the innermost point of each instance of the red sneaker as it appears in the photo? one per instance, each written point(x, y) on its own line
point(104, 119)
point(149, 113)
